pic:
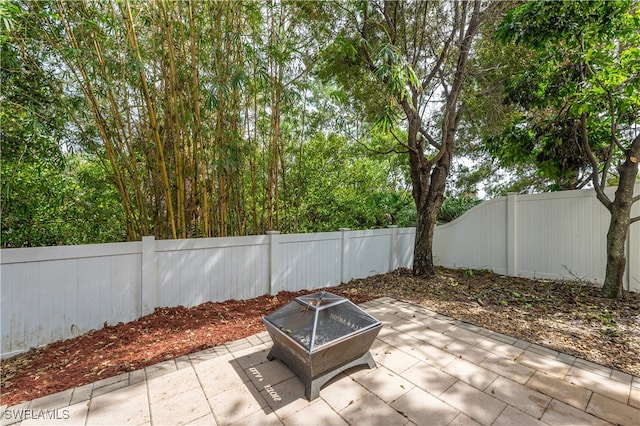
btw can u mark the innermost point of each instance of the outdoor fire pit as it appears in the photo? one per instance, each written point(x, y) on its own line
point(319, 336)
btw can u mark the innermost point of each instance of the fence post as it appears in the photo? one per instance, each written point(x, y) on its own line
point(274, 261)
point(393, 253)
point(345, 256)
point(148, 290)
point(512, 237)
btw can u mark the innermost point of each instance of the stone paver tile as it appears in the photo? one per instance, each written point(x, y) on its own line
point(183, 362)
point(207, 420)
point(474, 403)
point(544, 363)
point(341, 391)
point(386, 318)
point(597, 383)
point(109, 388)
point(542, 350)
point(217, 375)
point(75, 414)
point(204, 355)
point(470, 373)
point(613, 411)
point(508, 368)
point(504, 338)
point(559, 413)
point(500, 348)
point(385, 384)
point(526, 400)
point(409, 327)
point(81, 393)
point(377, 345)
point(429, 378)
point(593, 367)
point(259, 418)
point(512, 416)
point(55, 400)
point(252, 355)
point(634, 397)
point(124, 377)
point(400, 340)
point(463, 420)
point(433, 337)
point(180, 408)
point(137, 376)
point(521, 344)
point(467, 351)
point(318, 412)
point(438, 325)
point(370, 410)
point(621, 377)
point(423, 408)
point(236, 402)
point(254, 340)
point(571, 394)
point(178, 382)
point(465, 335)
point(161, 369)
point(240, 343)
point(285, 398)
point(269, 372)
point(432, 355)
point(566, 358)
point(394, 359)
point(123, 407)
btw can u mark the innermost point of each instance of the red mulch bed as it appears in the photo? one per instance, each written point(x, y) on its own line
point(165, 334)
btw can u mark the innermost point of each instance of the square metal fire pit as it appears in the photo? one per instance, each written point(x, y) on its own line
point(319, 336)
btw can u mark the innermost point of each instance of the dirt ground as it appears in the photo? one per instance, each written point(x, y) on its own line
point(566, 316)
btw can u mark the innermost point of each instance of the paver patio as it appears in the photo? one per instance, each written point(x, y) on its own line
point(432, 370)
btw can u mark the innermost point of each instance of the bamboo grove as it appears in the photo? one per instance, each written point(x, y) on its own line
point(188, 103)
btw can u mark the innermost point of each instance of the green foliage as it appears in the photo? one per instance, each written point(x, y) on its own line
point(344, 187)
point(580, 81)
point(453, 208)
point(45, 204)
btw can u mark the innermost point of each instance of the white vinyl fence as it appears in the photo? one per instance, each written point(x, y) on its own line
point(558, 235)
point(53, 293)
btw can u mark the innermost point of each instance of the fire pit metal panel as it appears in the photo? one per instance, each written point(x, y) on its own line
point(320, 335)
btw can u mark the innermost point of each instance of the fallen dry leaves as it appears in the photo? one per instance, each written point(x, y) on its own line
point(565, 316)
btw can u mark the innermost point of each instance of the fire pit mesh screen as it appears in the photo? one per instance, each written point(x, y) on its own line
point(319, 319)
point(320, 335)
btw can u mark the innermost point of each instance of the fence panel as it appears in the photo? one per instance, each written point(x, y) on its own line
point(308, 261)
point(559, 235)
point(478, 239)
point(190, 272)
point(369, 253)
point(52, 293)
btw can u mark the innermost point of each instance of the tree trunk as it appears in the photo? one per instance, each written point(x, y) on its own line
point(619, 225)
point(423, 246)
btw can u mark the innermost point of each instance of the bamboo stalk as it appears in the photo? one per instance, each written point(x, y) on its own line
point(133, 42)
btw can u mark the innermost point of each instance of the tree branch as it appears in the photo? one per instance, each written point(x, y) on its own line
point(430, 139)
